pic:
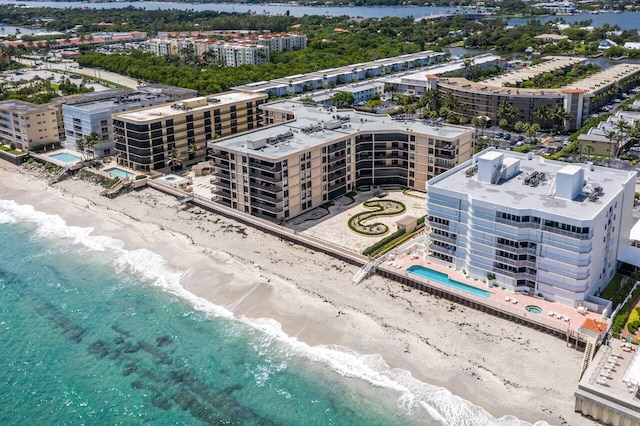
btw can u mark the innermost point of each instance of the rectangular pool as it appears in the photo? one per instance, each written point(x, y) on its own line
point(444, 279)
point(118, 172)
point(65, 157)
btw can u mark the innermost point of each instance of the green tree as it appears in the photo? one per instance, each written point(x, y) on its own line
point(174, 159)
point(343, 99)
point(507, 111)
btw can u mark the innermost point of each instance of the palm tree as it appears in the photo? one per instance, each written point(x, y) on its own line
point(193, 150)
point(432, 99)
point(90, 141)
point(560, 115)
point(542, 114)
point(507, 110)
point(468, 64)
point(81, 144)
point(610, 135)
point(589, 150)
point(531, 130)
point(452, 102)
point(173, 160)
point(622, 127)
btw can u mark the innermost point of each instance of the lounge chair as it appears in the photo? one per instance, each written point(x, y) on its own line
point(507, 299)
point(514, 301)
point(551, 313)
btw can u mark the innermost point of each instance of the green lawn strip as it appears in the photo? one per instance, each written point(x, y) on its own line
point(11, 151)
point(610, 292)
point(383, 242)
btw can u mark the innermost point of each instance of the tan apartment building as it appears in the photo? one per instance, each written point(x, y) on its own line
point(579, 99)
point(145, 138)
point(27, 125)
point(315, 155)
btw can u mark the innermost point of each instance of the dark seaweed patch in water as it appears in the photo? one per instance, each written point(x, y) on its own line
point(163, 341)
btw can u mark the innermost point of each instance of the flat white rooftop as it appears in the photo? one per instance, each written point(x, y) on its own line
point(310, 116)
point(514, 193)
point(195, 104)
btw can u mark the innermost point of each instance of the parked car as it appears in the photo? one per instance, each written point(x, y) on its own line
point(507, 136)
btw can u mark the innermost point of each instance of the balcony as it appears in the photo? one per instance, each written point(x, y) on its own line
point(221, 192)
point(517, 250)
point(257, 204)
point(265, 196)
point(445, 155)
point(437, 225)
point(565, 233)
point(438, 237)
point(338, 165)
point(516, 263)
point(221, 155)
point(222, 184)
point(270, 167)
point(265, 177)
point(445, 146)
point(515, 275)
point(263, 186)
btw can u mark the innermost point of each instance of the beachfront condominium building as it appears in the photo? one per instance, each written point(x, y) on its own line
point(547, 228)
point(175, 135)
point(85, 116)
point(26, 125)
point(309, 155)
point(578, 99)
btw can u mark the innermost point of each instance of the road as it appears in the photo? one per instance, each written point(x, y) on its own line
point(96, 73)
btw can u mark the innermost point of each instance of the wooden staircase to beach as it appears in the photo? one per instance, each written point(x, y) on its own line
point(589, 353)
point(117, 188)
point(58, 176)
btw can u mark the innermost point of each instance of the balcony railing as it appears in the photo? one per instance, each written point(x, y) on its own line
point(257, 204)
point(516, 250)
point(266, 196)
point(266, 178)
point(438, 225)
point(516, 275)
point(516, 263)
point(442, 238)
point(565, 233)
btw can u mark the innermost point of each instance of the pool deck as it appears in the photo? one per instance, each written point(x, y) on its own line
point(498, 299)
point(48, 156)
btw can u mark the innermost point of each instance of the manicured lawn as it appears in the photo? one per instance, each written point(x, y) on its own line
point(612, 288)
point(10, 151)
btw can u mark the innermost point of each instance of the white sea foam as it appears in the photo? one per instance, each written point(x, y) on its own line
point(414, 395)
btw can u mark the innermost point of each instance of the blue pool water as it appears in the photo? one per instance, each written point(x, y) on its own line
point(65, 157)
point(444, 279)
point(119, 172)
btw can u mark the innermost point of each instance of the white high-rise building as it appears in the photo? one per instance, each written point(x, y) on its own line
point(544, 227)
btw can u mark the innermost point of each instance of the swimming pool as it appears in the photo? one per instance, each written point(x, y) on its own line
point(65, 157)
point(118, 172)
point(444, 279)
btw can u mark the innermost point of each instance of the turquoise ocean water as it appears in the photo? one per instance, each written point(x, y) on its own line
point(94, 334)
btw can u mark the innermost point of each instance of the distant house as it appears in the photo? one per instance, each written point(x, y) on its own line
point(632, 45)
point(606, 44)
point(551, 38)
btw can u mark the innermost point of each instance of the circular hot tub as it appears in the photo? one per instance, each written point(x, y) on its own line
point(533, 309)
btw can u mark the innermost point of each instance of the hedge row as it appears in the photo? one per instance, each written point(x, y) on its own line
point(380, 244)
point(379, 211)
point(623, 316)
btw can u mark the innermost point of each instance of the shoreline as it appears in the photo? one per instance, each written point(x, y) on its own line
point(310, 294)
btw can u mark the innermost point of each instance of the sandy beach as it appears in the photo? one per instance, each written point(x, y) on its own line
point(505, 368)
